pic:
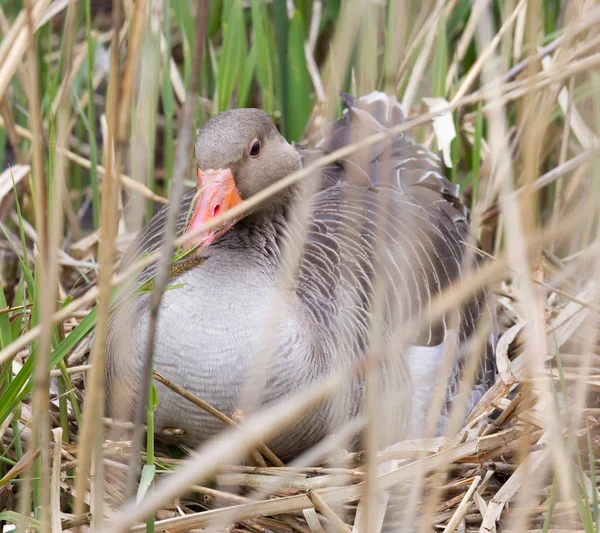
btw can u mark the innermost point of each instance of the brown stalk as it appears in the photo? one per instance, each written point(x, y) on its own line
point(214, 412)
point(297, 525)
point(5, 424)
point(10, 33)
point(513, 91)
point(589, 330)
point(544, 180)
point(15, 47)
point(125, 181)
point(532, 301)
point(510, 488)
point(296, 503)
point(41, 396)
point(322, 506)
point(266, 481)
point(339, 57)
point(592, 16)
point(91, 432)
point(315, 21)
point(131, 66)
point(51, 236)
point(283, 477)
point(182, 160)
point(516, 232)
point(458, 409)
point(25, 464)
point(463, 507)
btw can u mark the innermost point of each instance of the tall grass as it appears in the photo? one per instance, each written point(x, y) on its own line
point(96, 104)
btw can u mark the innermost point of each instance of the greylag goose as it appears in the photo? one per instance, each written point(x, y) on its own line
point(306, 282)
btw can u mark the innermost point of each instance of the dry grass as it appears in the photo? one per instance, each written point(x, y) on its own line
point(521, 80)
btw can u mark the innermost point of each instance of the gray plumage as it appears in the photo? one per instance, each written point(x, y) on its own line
point(269, 303)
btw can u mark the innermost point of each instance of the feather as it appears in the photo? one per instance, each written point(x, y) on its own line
point(384, 219)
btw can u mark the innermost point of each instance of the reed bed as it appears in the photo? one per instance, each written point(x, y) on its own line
point(99, 105)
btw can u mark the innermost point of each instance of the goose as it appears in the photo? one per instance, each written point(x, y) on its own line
point(307, 282)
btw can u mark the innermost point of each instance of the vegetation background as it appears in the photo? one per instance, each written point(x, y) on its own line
point(99, 104)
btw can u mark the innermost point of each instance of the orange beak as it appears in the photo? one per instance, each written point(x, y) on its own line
point(217, 194)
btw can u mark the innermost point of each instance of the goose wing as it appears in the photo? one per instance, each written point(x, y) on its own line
point(388, 211)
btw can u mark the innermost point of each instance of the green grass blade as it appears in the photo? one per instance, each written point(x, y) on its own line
point(25, 263)
point(245, 81)
point(458, 18)
point(3, 145)
point(298, 80)
point(551, 504)
point(585, 508)
point(70, 392)
point(17, 430)
point(280, 18)
point(592, 459)
point(5, 329)
point(91, 114)
point(440, 61)
point(186, 32)
point(367, 51)
point(19, 300)
point(146, 480)
point(149, 470)
point(232, 56)
point(264, 54)
point(215, 17)
point(74, 338)
point(476, 162)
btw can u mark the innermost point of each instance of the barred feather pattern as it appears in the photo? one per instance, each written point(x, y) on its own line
point(385, 235)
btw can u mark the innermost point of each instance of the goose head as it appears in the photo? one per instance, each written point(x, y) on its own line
point(238, 153)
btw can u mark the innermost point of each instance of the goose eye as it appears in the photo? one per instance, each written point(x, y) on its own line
point(254, 150)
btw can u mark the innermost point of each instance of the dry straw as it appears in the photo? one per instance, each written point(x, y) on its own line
point(521, 83)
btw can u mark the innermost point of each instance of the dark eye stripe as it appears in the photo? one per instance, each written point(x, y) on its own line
point(254, 150)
